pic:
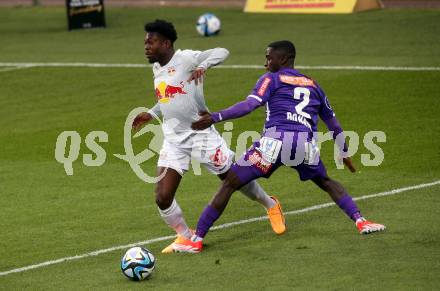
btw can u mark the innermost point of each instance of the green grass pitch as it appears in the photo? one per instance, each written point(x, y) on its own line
point(46, 215)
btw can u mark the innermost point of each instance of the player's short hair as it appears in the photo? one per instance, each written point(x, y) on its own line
point(284, 46)
point(164, 28)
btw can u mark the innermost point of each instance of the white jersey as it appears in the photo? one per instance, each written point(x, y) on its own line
point(180, 102)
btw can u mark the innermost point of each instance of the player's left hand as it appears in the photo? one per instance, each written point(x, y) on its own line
point(349, 163)
point(140, 120)
point(197, 75)
point(204, 122)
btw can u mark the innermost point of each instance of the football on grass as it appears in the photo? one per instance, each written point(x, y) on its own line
point(137, 264)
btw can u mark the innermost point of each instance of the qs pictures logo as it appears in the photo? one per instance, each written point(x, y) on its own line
point(92, 140)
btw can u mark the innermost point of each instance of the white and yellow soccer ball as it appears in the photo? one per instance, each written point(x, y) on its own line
point(137, 264)
point(208, 24)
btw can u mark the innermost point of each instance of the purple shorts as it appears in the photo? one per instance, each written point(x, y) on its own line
point(253, 164)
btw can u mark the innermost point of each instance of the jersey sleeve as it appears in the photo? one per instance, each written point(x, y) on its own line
point(263, 89)
point(155, 111)
point(325, 110)
point(235, 111)
point(209, 58)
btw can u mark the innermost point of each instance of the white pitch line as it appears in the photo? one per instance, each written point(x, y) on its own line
point(325, 205)
point(369, 68)
point(98, 65)
point(222, 226)
point(8, 69)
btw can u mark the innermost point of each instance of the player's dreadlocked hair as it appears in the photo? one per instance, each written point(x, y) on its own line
point(164, 28)
point(286, 47)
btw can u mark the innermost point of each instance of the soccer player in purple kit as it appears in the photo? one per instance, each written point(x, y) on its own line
point(293, 103)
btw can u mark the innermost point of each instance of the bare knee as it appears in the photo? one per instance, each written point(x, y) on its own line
point(332, 187)
point(164, 198)
point(230, 186)
point(221, 198)
point(326, 183)
point(323, 183)
point(232, 181)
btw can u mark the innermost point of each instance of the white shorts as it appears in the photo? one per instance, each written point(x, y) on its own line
point(206, 148)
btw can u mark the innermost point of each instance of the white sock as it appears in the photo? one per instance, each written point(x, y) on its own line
point(196, 238)
point(173, 216)
point(254, 191)
point(361, 219)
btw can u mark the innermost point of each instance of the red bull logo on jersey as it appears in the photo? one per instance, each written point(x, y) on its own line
point(165, 92)
point(218, 158)
point(297, 81)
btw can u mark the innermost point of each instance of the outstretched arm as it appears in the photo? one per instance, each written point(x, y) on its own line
point(155, 111)
point(212, 57)
point(235, 111)
point(205, 60)
point(146, 117)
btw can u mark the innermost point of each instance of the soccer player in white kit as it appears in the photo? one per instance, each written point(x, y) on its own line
point(178, 83)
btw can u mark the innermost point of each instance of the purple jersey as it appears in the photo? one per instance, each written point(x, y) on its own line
point(293, 101)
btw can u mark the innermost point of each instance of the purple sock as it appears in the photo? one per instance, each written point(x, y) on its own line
point(347, 204)
point(206, 220)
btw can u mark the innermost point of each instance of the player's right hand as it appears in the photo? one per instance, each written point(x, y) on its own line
point(204, 122)
point(349, 163)
point(197, 75)
point(141, 119)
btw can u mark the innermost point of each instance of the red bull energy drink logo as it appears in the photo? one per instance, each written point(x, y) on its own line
point(218, 158)
point(165, 92)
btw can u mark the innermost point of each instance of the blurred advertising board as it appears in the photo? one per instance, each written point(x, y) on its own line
point(85, 13)
point(311, 6)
